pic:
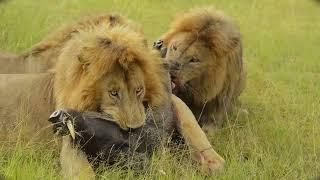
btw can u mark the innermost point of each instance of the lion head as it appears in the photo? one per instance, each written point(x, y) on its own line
point(109, 70)
point(198, 44)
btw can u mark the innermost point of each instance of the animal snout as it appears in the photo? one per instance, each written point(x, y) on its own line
point(173, 77)
point(175, 66)
point(56, 114)
point(136, 120)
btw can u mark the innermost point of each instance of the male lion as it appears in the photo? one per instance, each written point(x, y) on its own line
point(42, 57)
point(204, 50)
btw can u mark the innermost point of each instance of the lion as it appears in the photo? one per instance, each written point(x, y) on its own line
point(204, 50)
point(42, 57)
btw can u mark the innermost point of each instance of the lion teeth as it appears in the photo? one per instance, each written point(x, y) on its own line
point(173, 85)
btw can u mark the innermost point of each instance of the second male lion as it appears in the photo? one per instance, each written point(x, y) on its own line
point(204, 50)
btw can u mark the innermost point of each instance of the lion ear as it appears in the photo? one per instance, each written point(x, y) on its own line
point(84, 63)
point(222, 43)
point(104, 42)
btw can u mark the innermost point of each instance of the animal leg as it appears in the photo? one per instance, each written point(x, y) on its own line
point(220, 114)
point(74, 162)
point(196, 138)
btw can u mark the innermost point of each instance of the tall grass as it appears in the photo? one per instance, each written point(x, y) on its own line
point(280, 136)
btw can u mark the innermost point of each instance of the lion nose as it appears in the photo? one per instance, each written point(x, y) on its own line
point(136, 120)
point(175, 66)
point(173, 77)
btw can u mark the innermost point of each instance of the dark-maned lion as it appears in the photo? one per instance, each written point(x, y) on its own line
point(204, 50)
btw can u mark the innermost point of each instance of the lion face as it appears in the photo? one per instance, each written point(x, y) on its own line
point(122, 95)
point(188, 57)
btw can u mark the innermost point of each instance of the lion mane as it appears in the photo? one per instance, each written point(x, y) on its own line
point(77, 74)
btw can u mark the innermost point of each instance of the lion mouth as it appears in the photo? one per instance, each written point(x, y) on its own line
point(175, 83)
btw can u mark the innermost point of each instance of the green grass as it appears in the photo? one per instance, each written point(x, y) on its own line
point(278, 139)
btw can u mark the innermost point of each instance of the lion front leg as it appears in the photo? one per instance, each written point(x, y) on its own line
point(196, 138)
point(74, 162)
point(219, 112)
point(216, 119)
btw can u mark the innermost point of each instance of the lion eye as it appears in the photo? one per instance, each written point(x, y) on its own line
point(114, 93)
point(139, 90)
point(193, 59)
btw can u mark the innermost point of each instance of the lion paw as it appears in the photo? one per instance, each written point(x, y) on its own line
point(210, 161)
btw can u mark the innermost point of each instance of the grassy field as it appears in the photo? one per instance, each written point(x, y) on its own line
point(280, 136)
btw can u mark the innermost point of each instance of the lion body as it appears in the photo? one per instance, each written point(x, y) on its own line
point(204, 50)
point(26, 100)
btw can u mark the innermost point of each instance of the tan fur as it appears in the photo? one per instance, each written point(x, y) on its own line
point(205, 53)
point(26, 100)
point(74, 163)
point(8, 62)
point(42, 56)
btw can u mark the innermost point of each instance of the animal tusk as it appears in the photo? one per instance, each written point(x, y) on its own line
point(71, 129)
